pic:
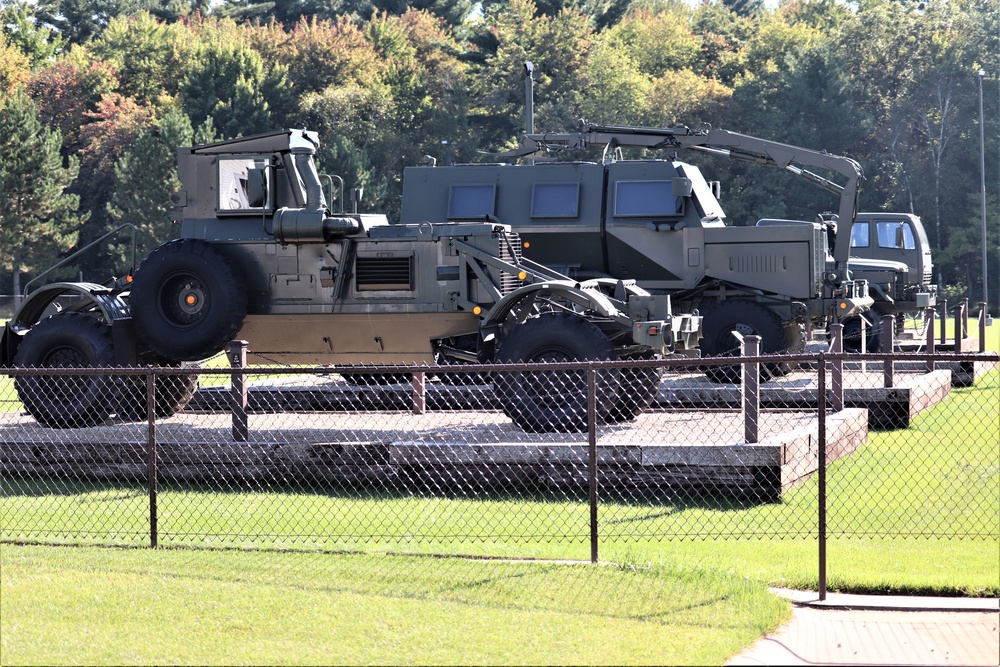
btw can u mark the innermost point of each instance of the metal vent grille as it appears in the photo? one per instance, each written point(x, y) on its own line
point(383, 273)
point(510, 252)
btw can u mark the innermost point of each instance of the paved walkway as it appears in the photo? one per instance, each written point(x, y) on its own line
point(881, 630)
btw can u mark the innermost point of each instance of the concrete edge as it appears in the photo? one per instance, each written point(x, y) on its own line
point(848, 601)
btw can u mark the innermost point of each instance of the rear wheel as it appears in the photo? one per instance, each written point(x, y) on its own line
point(173, 392)
point(549, 401)
point(746, 318)
point(637, 388)
point(67, 340)
point(187, 302)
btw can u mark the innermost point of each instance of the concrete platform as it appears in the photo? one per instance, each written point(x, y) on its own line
point(672, 454)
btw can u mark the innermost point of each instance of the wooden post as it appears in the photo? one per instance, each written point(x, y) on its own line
point(419, 384)
point(982, 326)
point(837, 366)
point(751, 390)
point(929, 318)
point(944, 321)
point(239, 397)
point(889, 346)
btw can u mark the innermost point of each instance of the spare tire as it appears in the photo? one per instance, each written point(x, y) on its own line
point(187, 300)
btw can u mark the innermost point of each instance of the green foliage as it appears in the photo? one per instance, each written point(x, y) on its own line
point(69, 92)
point(15, 67)
point(385, 82)
point(38, 43)
point(146, 55)
point(146, 177)
point(37, 216)
point(228, 82)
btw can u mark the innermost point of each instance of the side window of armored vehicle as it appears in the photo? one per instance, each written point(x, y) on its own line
point(652, 199)
point(243, 184)
point(859, 235)
point(555, 200)
point(471, 201)
point(895, 234)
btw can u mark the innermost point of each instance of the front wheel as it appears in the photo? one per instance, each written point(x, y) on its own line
point(67, 340)
point(638, 387)
point(746, 318)
point(853, 335)
point(172, 393)
point(554, 401)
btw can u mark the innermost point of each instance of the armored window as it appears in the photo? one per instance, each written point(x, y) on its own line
point(555, 200)
point(859, 235)
point(471, 201)
point(243, 184)
point(895, 234)
point(652, 199)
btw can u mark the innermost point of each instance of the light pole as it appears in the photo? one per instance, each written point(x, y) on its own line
point(982, 190)
point(529, 99)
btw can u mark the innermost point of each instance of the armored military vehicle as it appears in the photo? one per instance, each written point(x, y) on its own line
point(890, 251)
point(660, 223)
point(261, 256)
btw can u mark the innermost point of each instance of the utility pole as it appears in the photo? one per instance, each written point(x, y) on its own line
point(982, 190)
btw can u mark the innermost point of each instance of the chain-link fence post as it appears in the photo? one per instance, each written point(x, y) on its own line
point(152, 472)
point(238, 361)
point(837, 379)
point(751, 390)
point(929, 318)
point(889, 346)
point(821, 473)
point(592, 458)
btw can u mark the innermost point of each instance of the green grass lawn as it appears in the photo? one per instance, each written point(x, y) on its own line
point(105, 606)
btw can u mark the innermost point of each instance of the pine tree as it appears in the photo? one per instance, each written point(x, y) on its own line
point(38, 218)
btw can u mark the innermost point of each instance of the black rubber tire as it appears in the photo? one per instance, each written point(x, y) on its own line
point(173, 327)
point(852, 335)
point(794, 344)
point(637, 388)
point(173, 392)
point(554, 401)
point(748, 318)
point(67, 401)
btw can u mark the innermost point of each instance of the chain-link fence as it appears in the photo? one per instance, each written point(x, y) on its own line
point(539, 461)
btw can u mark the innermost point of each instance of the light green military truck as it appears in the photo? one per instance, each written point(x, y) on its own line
point(261, 256)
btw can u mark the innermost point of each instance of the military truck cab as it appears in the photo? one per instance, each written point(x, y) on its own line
point(896, 237)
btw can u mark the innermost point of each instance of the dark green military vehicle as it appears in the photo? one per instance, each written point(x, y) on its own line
point(659, 222)
point(262, 257)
